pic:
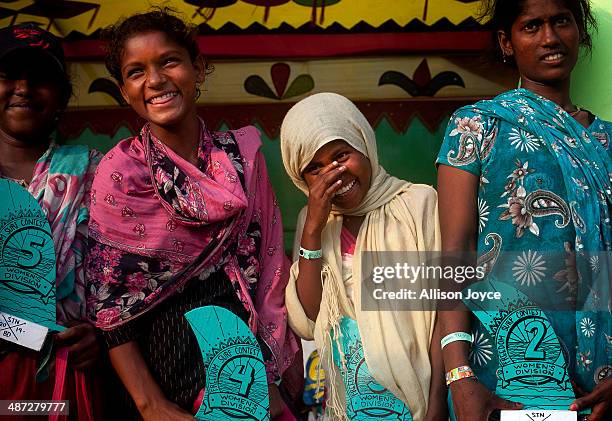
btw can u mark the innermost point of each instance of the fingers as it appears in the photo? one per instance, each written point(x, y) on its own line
point(331, 190)
point(599, 412)
point(326, 184)
point(328, 168)
point(83, 347)
point(504, 404)
point(332, 176)
point(587, 401)
point(70, 334)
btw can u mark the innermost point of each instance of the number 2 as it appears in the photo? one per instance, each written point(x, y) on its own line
point(538, 328)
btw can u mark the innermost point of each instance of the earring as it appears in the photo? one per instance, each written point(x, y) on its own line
point(198, 92)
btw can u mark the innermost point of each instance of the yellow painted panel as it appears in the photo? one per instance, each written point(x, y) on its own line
point(100, 13)
point(356, 78)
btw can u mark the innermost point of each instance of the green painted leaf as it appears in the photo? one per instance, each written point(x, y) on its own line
point(299, 86)
point(255, 85)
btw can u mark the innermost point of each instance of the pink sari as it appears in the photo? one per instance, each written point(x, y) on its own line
point(158, 221)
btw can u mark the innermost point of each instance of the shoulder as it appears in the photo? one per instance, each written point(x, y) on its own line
point(471, 119)
point(129, 149)
point(422, 195)
point(248, 138)
point(75, 159)
point(602, 130)
point(126, 160)
point(607, 125)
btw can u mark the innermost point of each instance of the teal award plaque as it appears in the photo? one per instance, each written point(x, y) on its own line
point(27, 269)
point(236, 382)
point(366, 399)
point(532, 367)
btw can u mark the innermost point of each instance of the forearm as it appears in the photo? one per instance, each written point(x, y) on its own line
point(135, 375)
point(457, 199)
point(456, 353)
point(308, 283)
point(437, 408)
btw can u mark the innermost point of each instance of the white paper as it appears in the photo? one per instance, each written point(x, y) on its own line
point(22, 332)
point(539, 415)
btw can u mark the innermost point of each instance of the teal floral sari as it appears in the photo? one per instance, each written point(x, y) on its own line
point(544, 204)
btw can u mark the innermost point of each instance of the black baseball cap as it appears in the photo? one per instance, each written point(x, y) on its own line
point(30, 36)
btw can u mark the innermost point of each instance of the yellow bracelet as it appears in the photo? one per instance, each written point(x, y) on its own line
point(458, 373)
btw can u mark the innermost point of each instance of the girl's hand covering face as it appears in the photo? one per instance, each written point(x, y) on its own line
point(338, 174)
point(323, 185)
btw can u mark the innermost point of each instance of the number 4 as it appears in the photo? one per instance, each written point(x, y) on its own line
point(244, 375)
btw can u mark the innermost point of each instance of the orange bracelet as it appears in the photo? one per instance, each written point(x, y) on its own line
point(458, 373)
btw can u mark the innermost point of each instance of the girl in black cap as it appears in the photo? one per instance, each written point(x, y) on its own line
point(34, 91)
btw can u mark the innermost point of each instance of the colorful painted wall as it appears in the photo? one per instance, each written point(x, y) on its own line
point(407, 99)
point(407, 65)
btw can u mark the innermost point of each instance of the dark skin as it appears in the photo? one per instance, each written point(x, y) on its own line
point(340, 175)
point(334, 166)
point(159, 81)
point(544, 42)
point(30, 102)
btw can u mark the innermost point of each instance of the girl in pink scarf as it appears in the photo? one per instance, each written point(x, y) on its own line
point(181, 217)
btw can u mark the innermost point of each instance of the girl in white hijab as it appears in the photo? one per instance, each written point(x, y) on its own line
point(354, 206)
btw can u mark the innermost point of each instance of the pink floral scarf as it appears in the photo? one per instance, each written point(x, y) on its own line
point(157, 222)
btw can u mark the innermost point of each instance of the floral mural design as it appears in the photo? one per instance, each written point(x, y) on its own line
point(421, 83)
point(280, 73)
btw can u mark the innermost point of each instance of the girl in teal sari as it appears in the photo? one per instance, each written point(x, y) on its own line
point(525, 181)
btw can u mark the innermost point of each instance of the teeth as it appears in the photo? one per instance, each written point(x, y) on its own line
point(346, 188)
point(552, 57)
point(163, 97)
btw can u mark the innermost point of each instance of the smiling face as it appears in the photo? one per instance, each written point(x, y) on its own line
point(159, 79)
point(544, 42)
point(30, 97)
point(355, 179)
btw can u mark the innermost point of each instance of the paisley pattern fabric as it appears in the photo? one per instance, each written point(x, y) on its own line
point(544, 202)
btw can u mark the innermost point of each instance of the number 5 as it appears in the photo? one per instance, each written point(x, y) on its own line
point(31, 253)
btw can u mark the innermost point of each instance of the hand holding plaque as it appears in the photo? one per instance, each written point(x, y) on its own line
point(532, 367)
point(236, 382)
point(27, 269)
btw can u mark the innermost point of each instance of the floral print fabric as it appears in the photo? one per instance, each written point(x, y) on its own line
point(159, 222)
point(544, 183)
point(61, 184)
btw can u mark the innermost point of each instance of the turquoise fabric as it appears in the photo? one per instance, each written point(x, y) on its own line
point(544, 203)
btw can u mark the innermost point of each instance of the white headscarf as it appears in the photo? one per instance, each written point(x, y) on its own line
point(399, 216)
